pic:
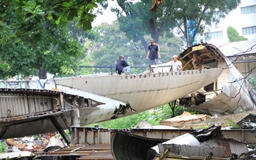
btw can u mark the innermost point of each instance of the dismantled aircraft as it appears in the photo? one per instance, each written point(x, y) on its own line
point(209, 83)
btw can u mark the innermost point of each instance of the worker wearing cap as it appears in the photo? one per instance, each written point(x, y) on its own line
point(153, 54)
point(176, 65)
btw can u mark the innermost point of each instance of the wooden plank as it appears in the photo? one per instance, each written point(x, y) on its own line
point(97, 156)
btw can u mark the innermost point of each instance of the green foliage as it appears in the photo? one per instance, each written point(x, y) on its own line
point(166, 111)
point(68, 133)
point(136, 20)
point(2, 147)
point(35, 136)
point(87, 61)
point(252, 81)
point(55, 51)
point(30, 12)
point(162, 112)
point(233, 35)
point(110, 42)
point(4, 67)
point(153, 117)
point(126, 122)
point(34, 42)
point(35, 34)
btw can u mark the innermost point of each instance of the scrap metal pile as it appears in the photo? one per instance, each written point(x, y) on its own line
point(202, 144)
point(15, 147)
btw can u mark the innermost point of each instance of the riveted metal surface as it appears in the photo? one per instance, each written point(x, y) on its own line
point(144, 91)
point(17, 104)
point(91, 134)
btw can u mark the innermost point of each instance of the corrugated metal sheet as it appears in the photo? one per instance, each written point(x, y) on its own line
point(26, 111)
point(17, 104)
point(197, 144)
point(85, 134)
point(239, 48)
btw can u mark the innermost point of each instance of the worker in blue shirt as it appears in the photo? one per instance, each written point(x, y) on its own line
point(153, 54)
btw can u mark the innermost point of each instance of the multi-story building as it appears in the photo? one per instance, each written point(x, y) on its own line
point(243, 53)
point(243, 19)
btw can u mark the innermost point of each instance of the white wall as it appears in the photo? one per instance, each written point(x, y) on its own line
point(237, 21)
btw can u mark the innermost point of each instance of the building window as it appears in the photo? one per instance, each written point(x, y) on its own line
point(215, 35)
point(248, 9)
point(249, 30)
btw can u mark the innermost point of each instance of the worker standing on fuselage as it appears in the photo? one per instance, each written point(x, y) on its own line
point(176, 65)
point(153, 54)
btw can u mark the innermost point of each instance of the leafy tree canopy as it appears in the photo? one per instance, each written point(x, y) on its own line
point(30, 12)
point(137, 20)
point(110, 42)
point(233, 35)
point(34, 35)
point(54, 50)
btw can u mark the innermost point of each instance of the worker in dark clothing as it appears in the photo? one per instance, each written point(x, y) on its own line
point(153, 54)
point(122, 66)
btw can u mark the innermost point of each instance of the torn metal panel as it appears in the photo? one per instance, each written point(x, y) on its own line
point(31, 126)
point(26, 106)
point(134, 143)
point(190, 151)
point(18, 104)
point(234, 94)
point(248, 122)
point(218, 105)
point(231, 137)
point(132, 93)
point(94, 98)
point(144, 91)
point(211, 141)
point(13, 104)
point(220, 148)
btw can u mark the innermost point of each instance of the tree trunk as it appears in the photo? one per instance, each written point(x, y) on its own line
point(42, 74)
point(145, 44)
point(154, 31)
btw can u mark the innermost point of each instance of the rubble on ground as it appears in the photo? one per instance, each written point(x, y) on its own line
point(32, 144)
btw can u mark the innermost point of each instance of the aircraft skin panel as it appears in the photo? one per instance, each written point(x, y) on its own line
point(235, 89)
point(13, 104)
point(221, 104)
point(151, 86)
point(95, 98)
point(32, 125)
point(142, 99)
point(237, 101)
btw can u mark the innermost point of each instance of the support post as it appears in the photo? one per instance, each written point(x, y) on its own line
point(61, 131)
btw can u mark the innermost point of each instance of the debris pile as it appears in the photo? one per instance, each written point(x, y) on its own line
point(201, 144)
point(185, 120)
point(33, 144)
